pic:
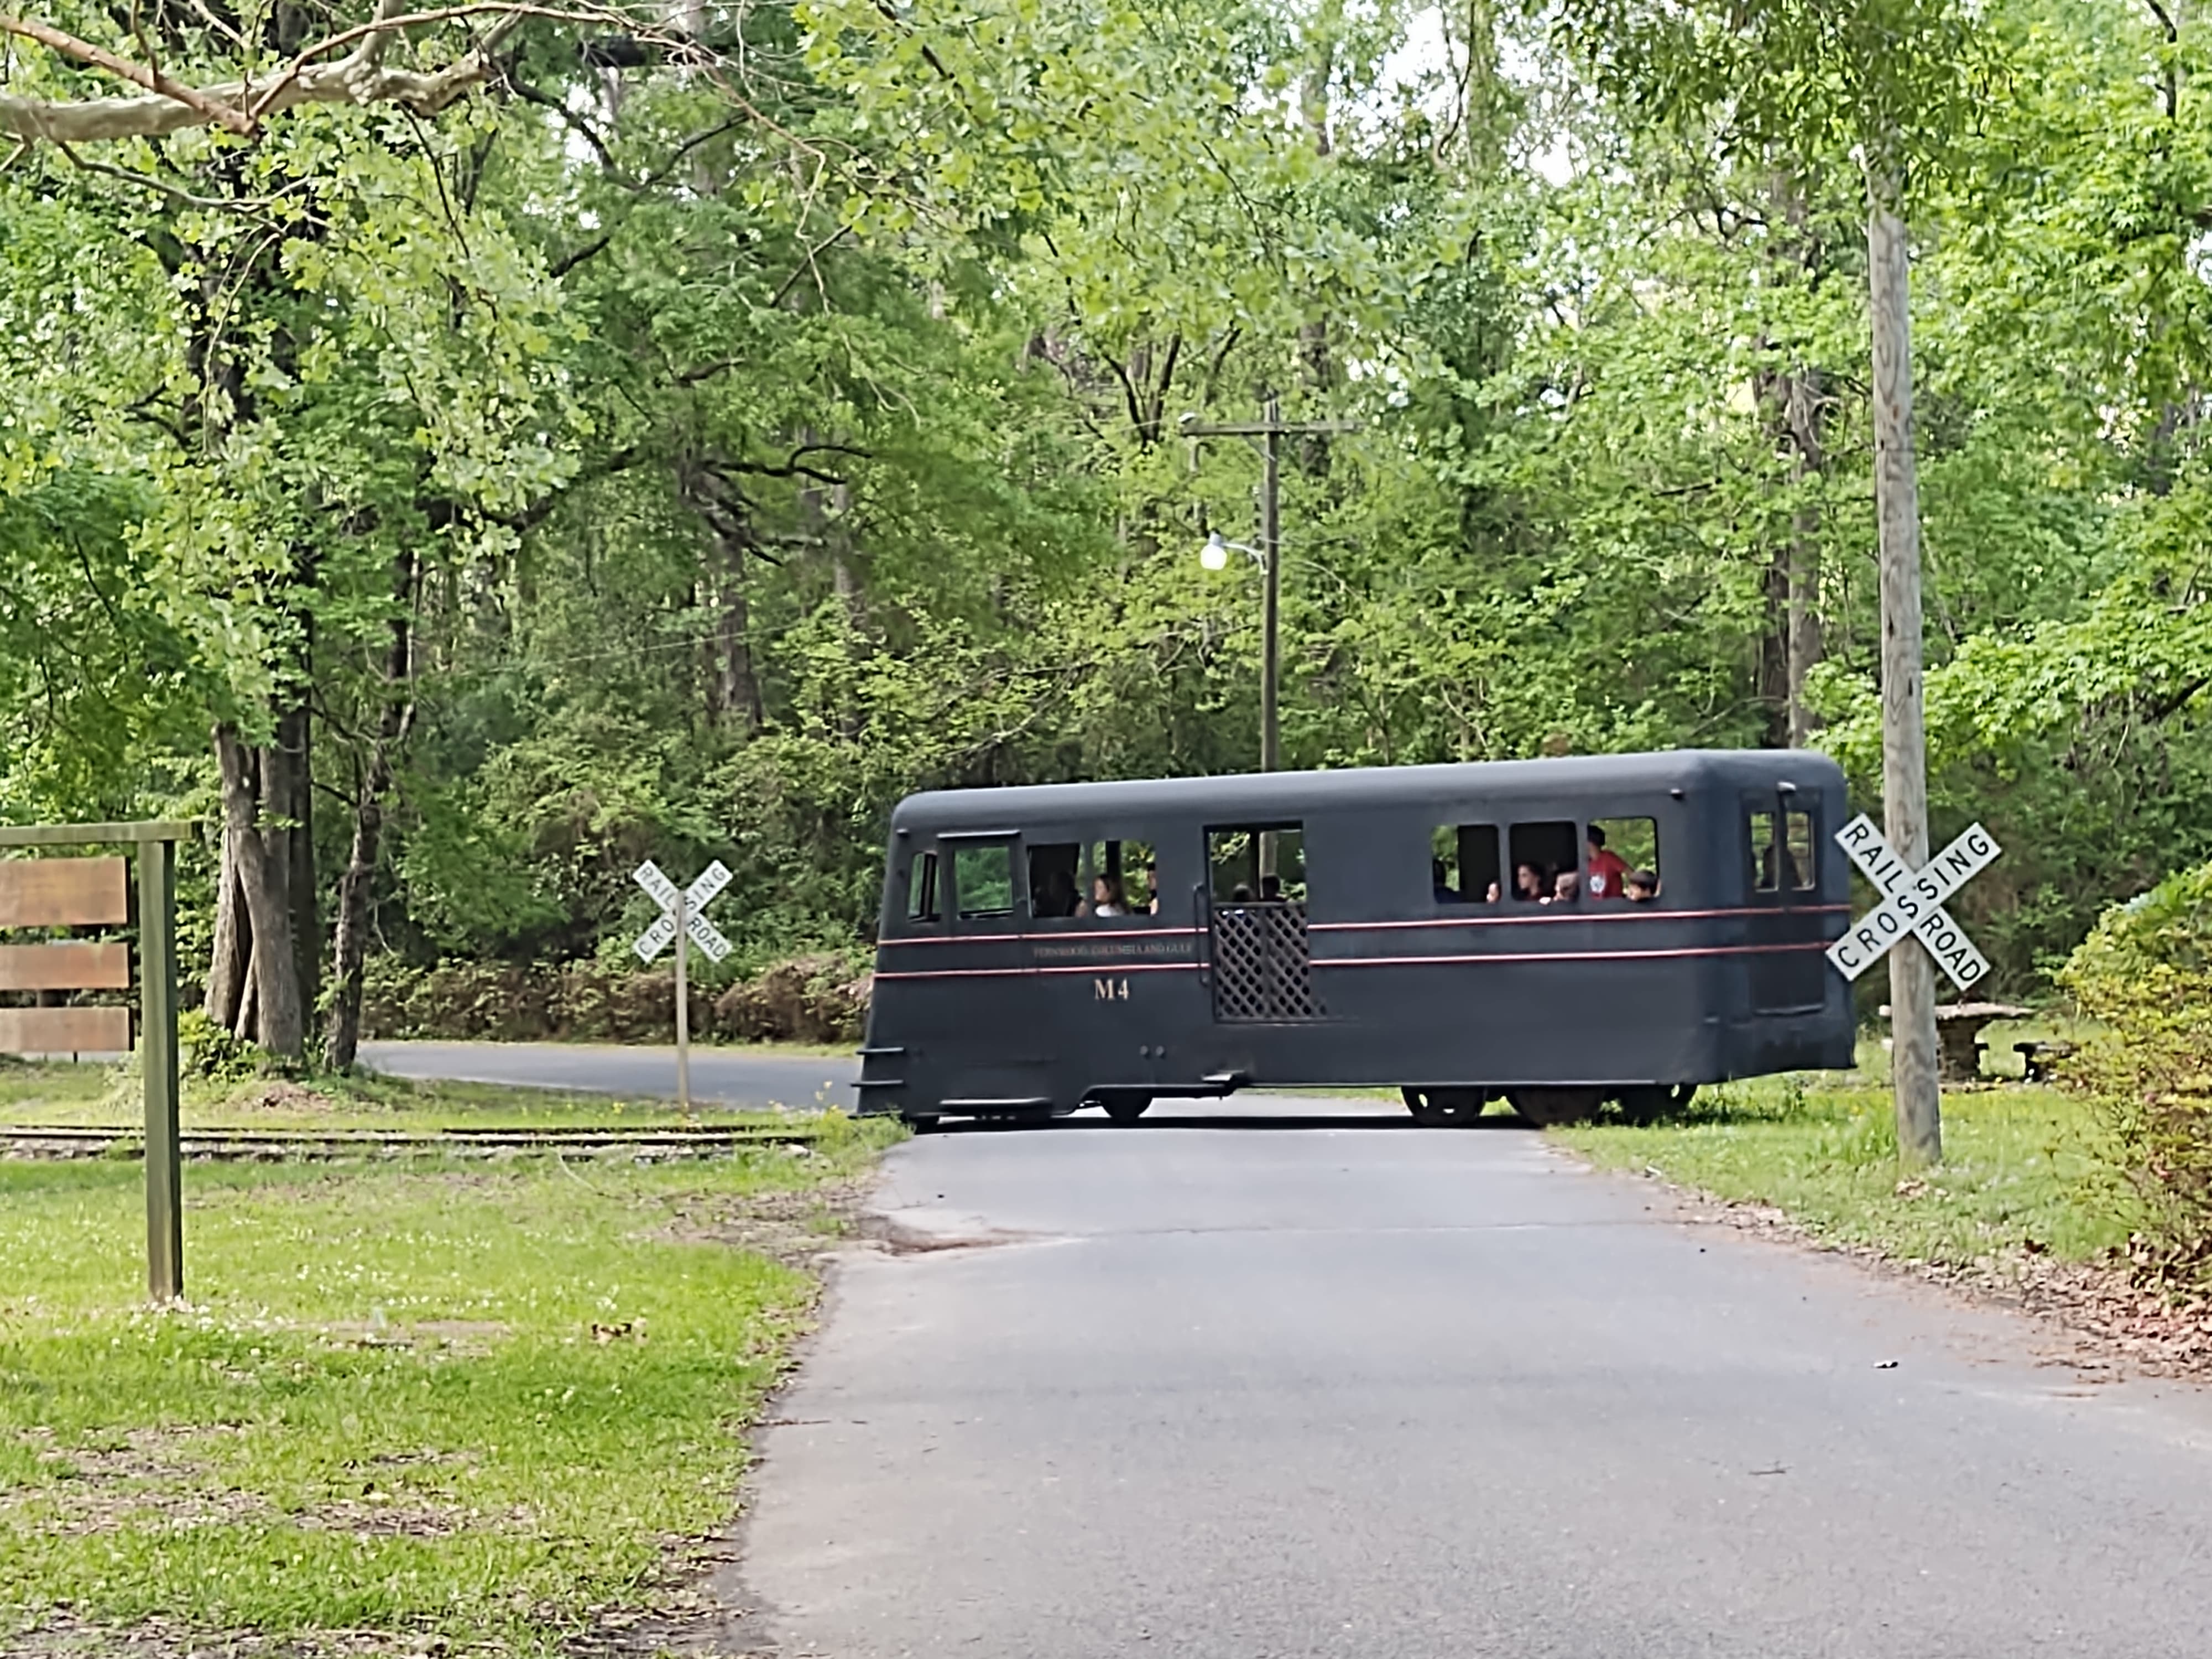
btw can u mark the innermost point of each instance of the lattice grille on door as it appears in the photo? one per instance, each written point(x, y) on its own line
point(1261, 970)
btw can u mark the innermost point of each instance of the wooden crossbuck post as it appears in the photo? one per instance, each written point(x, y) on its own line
point(64, 892)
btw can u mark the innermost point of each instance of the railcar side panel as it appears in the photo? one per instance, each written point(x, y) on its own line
point(1366, 971)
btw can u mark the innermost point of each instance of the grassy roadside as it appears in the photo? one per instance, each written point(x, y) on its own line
point(475, 1405)
point(2024, 1172)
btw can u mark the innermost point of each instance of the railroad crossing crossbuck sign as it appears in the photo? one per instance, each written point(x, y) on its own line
point(1912, 902)
point(696, 898)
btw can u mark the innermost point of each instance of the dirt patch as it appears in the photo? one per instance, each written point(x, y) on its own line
point(280, 1095)
point(458, 1336)
point(920, 1232)
point(388, 1515)
point(139, 1454)
point(797, 1229)
point(682, 1620)
point(162, 1480)
point(60, 1635)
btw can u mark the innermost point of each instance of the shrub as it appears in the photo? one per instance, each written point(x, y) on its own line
point(813, 998)
point(820, 997)
point(213, 1052)
point(2144, 976)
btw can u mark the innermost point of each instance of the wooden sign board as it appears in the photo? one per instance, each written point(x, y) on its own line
point(65, 1030)
point(63, 892)
point(67, 967)
point(95, 892)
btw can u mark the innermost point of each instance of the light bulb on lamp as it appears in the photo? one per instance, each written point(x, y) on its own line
point(1214, 555)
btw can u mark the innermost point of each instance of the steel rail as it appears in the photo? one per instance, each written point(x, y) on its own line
point(97, 1140)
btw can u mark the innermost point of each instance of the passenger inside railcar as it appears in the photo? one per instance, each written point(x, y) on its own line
point(1608, 870)
point(1106, 897)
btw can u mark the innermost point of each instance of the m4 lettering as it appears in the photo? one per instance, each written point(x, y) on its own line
point(1108, 990)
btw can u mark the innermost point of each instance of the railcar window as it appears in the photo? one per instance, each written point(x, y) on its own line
point(1801, 863)
point(983, 880)
point(1258, 862)
point(1623, 857)
point(1765, 861)
point(1547, 862)
point(1055, 881)
point(1131, 876)
point(1463, 863)
point(921, 888)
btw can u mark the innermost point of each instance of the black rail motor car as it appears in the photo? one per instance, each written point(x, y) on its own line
point(1456, 931)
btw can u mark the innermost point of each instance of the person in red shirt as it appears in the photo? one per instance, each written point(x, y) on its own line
point(1608, 870)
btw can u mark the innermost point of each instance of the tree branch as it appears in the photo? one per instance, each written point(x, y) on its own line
point(576, 122)
point(166, 92)
point(241, 106)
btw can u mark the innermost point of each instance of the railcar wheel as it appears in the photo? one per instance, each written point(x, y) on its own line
point(1442, 1109)
point(1646, 1104)
point(1551, 1108)
point(1650, 1101)
point(1125, 1109)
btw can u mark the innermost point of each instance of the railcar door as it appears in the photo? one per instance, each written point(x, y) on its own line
point(1008, 1051)
point(1787, 968)
point(1254, 903)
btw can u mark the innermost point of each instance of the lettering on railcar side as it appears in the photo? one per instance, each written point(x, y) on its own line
point(1107, 989)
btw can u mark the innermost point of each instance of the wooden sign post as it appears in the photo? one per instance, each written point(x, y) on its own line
point(91, 892)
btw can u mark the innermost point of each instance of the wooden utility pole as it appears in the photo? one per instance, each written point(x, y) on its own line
point(1271, 606)
point(1913, 1073)
point(1268, 432)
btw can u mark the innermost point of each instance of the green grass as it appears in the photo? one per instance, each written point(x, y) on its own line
point(48, 1091)
point(474, 1402)
point(2023, 1167)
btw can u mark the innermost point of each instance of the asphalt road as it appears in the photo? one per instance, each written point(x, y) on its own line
point(1243, 1390)
point(724, 1076)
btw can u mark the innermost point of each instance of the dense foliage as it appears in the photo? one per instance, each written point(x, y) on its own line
point(684, 445)
point(2144, 976)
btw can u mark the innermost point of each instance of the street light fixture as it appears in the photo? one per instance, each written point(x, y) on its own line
point(1214, 555)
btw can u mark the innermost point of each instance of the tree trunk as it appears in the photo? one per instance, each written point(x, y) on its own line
point(249, 1007)
point(1791, 642)
point(1803, 408)
point(1774, 647)
point(230, 962)
point(737, 686)
point(1794, 399)
point(263, 862)
point(342, 1034)
point(733, 692)
point(1903, 736)
point(295, 802)
point(1314, 355)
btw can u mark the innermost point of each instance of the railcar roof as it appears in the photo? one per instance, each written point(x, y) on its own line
point(1259, 796)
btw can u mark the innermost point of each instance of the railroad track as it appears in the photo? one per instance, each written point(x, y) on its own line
point(63, 1140)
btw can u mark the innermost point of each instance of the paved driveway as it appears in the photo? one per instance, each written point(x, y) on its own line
point(1248, 1391)
point(725, 1077)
